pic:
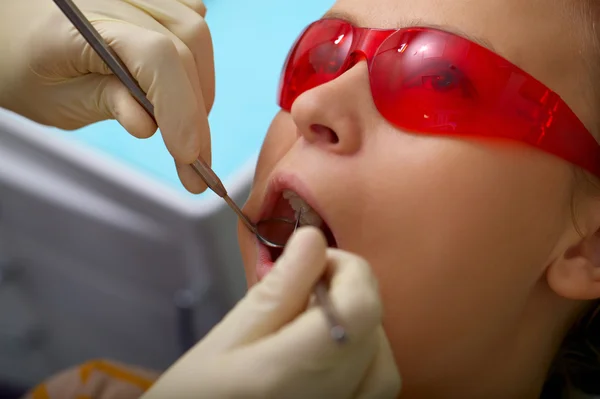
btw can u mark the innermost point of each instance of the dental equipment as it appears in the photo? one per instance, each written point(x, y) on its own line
point(336, 330)
point(117, 66)
point(112, 60)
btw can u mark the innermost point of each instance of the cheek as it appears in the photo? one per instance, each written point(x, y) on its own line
point(280, 138)
point(457, 235)
point(453, 196)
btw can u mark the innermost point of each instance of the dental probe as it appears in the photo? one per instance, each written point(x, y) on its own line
point(336, 330)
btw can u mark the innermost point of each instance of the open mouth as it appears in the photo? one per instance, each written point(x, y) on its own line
point(289, 206)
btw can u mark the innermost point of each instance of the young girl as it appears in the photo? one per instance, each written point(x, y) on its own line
point(468, 185)
point(439, 150)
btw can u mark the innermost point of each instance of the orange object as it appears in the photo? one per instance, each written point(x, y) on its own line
point(96, 379)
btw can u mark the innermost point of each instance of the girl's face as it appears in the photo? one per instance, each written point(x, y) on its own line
point(459, 232)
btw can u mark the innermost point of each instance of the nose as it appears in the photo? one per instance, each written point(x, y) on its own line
point(334, 115)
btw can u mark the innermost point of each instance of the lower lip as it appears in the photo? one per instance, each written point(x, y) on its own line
point(264, 263)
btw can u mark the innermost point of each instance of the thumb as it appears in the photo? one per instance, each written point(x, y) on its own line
point(116, 100)
point(93, 98)
point(280, 297)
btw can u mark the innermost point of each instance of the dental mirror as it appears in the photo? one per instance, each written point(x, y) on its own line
point(275, 232)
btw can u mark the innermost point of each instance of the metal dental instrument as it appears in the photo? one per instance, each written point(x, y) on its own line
point(117, 66)
point(112, 60)
point(336, 330)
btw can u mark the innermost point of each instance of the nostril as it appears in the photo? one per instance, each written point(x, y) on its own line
point(323, 133)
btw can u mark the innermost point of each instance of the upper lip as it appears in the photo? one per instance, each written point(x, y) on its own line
point(280, 183)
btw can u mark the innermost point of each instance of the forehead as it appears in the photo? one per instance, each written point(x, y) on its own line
point(543, 37)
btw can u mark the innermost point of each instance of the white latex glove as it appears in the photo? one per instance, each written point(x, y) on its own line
point(50, 74)
point(272, 346)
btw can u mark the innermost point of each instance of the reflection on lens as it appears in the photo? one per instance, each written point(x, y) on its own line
point(276, 230)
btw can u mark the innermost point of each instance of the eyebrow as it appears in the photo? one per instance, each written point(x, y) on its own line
point(412, 23)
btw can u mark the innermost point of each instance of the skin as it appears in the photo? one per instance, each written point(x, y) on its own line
point(480, 266)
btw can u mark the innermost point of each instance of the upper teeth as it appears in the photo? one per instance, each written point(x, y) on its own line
point(307, 214)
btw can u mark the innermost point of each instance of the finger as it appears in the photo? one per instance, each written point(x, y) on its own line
point(280, 296)
point(301, 369)
point(197, 5)
point(202, 48)
point(153, 60)
point(354, 296)
point(382, 379)
point(306, 339)
point(354, 293)
point(65, 52)
point(116, 100)
point(154, 16)
point(155, 63)
point(189, 178)
point(191, 29)
point(95, 97)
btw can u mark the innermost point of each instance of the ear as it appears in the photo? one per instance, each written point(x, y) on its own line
point(576, 274)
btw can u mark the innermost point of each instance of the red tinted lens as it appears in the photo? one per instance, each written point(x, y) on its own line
point(422, 80)
point(317, 57)
point(430, 81)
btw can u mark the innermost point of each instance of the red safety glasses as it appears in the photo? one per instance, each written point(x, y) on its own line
point(425, 80)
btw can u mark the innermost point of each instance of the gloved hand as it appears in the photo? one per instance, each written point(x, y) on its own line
point(50, 74)
point(272, 346)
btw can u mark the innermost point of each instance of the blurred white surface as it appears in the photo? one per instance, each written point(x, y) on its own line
point(93, 255)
